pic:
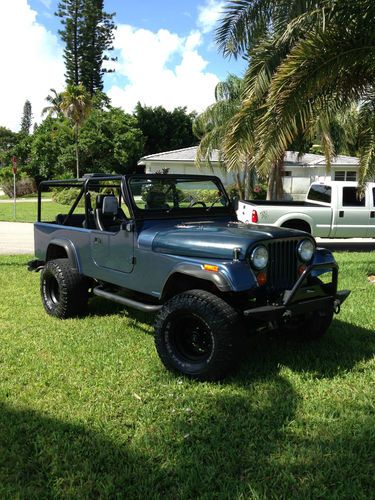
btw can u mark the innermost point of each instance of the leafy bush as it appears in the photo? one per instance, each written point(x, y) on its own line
point(206, 195)
point(260, 192)
point(24, 184)
point(66, 196)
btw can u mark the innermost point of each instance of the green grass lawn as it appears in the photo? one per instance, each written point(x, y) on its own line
point(46, 194)
point(27, 212)
point(87, 410)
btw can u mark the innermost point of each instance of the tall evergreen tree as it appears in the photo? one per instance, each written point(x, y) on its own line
point(88, 36)
point(70, 12)
point(26, 118)
point(96, 39)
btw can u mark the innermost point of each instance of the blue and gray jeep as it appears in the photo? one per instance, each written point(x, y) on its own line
point(172, 245)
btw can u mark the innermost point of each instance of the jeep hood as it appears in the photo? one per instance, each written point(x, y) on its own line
point(209, 239)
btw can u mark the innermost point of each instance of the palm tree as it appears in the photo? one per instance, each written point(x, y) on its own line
point(309, 61)
point(211, 127)
point(76, 105)
point(54, 99)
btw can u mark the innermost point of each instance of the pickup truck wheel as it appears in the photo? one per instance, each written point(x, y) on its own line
point(309, 327)
point(198, 334)
point(64, 291)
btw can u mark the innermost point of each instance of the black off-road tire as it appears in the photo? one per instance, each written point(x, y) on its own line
point(198, 334)
point(312, 326)
point(64, 291)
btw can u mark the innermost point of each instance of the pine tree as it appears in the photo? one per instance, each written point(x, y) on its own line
point(70, 12)
point(27, 118)
point(97, 38)
point(88, 35)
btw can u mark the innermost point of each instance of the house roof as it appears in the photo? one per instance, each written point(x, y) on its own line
point(185, 154)
point(291, 158)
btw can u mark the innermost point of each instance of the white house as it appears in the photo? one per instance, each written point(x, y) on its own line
point(299, 172)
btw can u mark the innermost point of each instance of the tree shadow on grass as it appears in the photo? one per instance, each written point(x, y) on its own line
point(41, 457)
point(247, 444)
point(341, 349)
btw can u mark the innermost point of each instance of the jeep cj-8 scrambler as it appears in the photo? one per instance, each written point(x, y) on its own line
point(172, 245)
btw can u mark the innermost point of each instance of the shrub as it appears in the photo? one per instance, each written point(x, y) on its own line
point(260, 192)
point(66, 196)
point(24, 184)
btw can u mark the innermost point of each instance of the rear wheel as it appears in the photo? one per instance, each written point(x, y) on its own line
point(64, 291)
point(198, 334)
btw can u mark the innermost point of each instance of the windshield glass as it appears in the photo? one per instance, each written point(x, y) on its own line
point(158, 194)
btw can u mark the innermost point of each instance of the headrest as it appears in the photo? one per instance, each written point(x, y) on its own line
point(110, 205)
point(99, 200)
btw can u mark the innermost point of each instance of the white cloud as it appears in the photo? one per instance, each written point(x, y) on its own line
point(31, 61)
point(161, 69)
point(209, 14)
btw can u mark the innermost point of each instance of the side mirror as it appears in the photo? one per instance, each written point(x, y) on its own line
point(128, 226)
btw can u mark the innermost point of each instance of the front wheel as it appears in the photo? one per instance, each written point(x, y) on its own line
point(198, 334)
point(64, 291)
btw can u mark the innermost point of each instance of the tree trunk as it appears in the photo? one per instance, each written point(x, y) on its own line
point(239, 186)
point(275, 189)
point(271, 183)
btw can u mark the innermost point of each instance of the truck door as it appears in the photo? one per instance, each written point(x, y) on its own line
point(111, 245)
point(352, 214)
point(113, 251)
point(371, 226)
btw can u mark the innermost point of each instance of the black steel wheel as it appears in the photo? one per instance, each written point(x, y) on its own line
point(64, 291)
point(198, 334)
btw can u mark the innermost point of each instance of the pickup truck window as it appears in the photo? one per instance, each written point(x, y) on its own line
point(350, 198)
point(320, 193)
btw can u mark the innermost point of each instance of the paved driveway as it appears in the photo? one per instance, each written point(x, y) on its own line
point(16, 238)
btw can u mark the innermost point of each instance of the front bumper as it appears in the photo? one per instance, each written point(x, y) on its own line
point(297, 301)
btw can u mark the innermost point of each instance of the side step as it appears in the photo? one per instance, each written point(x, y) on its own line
point(98, 290)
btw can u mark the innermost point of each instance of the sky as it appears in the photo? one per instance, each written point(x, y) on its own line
point(165, 49)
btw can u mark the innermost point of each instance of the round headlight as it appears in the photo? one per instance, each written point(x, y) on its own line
point(306, 250)
point(259, 257)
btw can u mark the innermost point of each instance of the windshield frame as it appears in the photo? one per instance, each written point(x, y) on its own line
point(179, 213)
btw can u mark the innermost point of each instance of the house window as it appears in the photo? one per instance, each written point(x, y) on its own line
point(344, 175)
point(351, 176)
point(287, 173)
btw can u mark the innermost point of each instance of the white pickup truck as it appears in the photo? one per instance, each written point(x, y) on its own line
point(331, 210)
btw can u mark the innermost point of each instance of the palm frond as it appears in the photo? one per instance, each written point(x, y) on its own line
point(244, 22)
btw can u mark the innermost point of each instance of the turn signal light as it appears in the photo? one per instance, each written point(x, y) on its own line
point(209, 267)
point(302, 269)
point(261, 278)
point(254, 216)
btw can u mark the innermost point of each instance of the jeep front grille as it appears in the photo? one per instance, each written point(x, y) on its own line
point(282, 267)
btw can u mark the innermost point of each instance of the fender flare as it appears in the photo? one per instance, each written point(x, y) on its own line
point(70, 249)
point(196, 271)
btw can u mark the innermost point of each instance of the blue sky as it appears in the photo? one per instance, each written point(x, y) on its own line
point(166, 54)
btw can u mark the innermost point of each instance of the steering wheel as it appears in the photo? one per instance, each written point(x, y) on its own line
point(198, 203)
